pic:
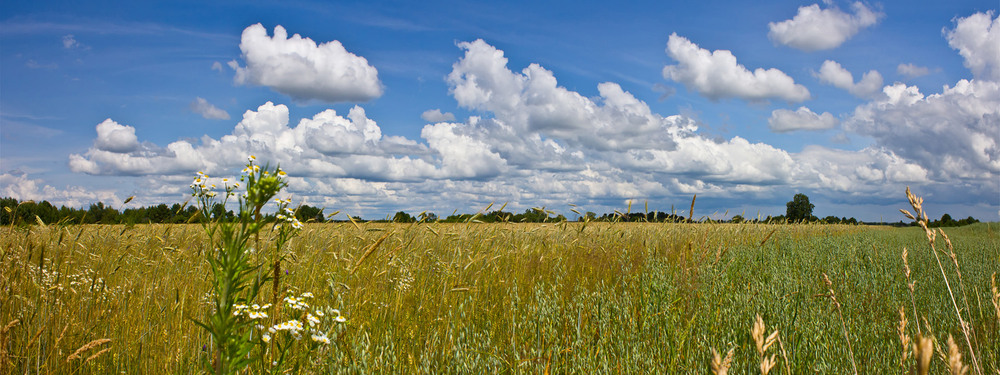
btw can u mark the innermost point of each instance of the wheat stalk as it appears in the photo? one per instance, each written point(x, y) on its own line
point(88, 346)
point(91, 358)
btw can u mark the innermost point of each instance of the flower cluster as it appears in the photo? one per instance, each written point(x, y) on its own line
point(298, 303)
point(313, 317)
point(201, 187)
point(286, 214)
point(253, 312)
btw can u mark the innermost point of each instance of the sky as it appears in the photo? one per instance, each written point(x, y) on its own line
point(375, 107)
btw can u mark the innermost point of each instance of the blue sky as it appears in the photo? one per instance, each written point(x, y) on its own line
point(374, 107)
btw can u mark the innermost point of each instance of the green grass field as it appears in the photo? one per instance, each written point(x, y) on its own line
point(513, 298)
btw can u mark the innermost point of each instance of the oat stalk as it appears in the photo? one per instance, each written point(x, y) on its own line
point(921, 219)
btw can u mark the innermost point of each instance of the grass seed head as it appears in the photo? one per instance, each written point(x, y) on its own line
point(720, 366)
point(955, 359)
point(923, 349)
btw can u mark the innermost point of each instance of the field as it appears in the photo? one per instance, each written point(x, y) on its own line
point(514, 298)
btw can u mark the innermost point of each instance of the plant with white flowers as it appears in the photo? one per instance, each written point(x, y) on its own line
point(236, 322)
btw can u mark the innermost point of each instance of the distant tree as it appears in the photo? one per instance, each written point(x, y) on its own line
point(831, 220)
point(307, 213)
point(428, 217)
point(403, 217)
point(799, 209)
point(737, 219)
point(946, 220)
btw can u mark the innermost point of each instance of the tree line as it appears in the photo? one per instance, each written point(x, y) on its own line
point(28, 212)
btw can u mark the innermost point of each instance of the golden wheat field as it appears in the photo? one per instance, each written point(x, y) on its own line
point(519, 298)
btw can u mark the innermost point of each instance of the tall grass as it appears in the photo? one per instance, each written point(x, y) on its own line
point(516, 298)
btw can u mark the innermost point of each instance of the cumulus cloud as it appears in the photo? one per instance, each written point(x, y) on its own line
point(952, 135)
point(207, 110)
point(115, 137)
point(783, 120)
point(912, 71)
point(814, 29)
point(717, 75)
point(832, 73)
point(23, 188)
point(532, 102)
point(300, 68)
point(217, 66)
point(326, 144)
point(977, 39)
point(435, 115)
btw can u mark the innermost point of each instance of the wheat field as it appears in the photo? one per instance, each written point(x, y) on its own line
point(433, 298)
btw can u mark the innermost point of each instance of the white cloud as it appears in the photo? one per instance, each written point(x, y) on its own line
point(22, 188)
point(716, 75)
point(115, 137)
point(832, 73)
point(814, 29)
point(952, 135)
point(300, 68)
point(69, 41)
point(435, 115)
point(783, 120)
point(217, 66)
point(207, 110)
point(977, 39)
point(912, 71)
point(532, 103)
point(326, 145)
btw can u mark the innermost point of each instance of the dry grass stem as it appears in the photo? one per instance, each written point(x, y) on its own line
point(720, 366)
point(917, 204)
point(833, 297)
point(904, 338)
point(995, 295)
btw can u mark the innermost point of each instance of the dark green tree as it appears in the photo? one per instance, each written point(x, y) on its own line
point(799, 209)
point(403, 217)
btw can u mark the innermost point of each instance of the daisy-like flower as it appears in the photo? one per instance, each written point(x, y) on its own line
point(266, 337)
point(320, 337)
point(251, 158)
point(340, 319)
point(312, 319)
